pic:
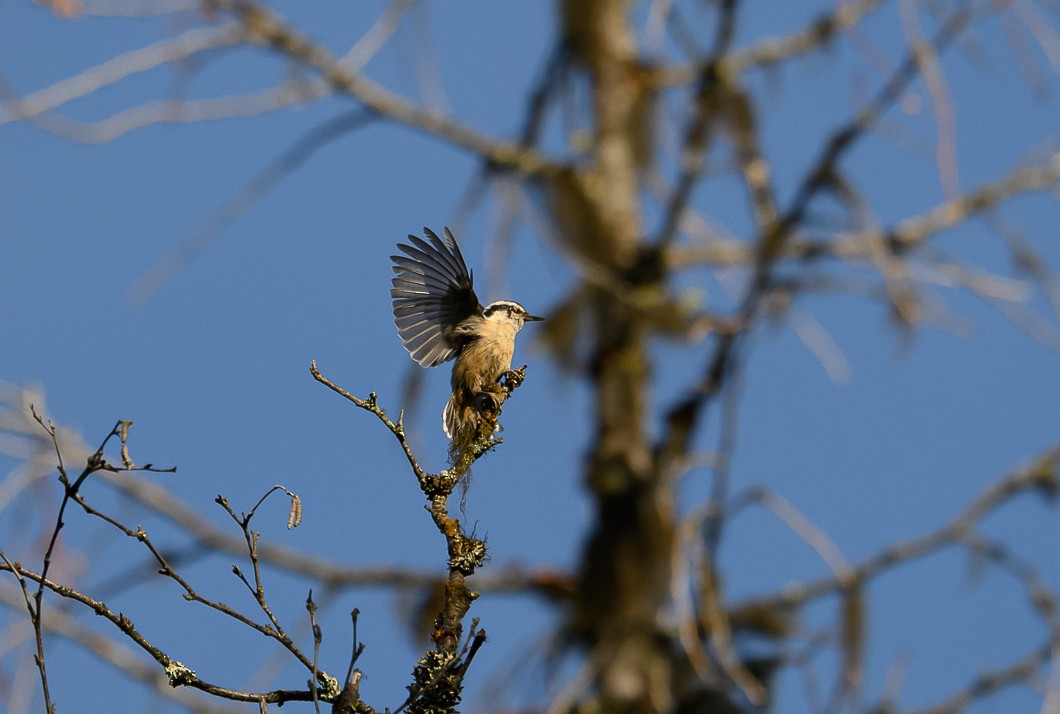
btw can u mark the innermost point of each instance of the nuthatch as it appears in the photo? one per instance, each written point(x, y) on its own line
point(439, 317)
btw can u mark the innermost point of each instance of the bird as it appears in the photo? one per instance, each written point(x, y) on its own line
point(439, 318)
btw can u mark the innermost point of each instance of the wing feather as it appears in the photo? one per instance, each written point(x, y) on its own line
point(433, 292)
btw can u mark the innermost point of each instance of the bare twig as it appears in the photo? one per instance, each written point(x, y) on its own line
point(120, 67)
point(178, 674)
point(988, 682)
point(824, 30)
point(33, 606)
point(827, 164)
point(114, 652)
point(682, 419)
point(938, 90)
point(267, 28)
point(714, 99)
point(370, 404)
point(906, 236)
point(137, 8)
point(187, 111)
point(96, 462)
point(1041, 475)
point(257, 590)
point(311, 608)
point(358, 647)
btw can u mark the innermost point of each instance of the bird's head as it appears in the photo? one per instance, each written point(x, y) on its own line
point(508, 312)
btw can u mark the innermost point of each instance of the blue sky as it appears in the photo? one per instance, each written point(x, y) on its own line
point(213, 365)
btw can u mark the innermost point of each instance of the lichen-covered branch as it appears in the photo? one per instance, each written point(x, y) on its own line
point(438, 677)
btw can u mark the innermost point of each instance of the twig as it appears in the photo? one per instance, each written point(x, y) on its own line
point(267, 28)
point(1041, 475)
point(112, 650)
point(908, 235)
point(436, 676)
point(823, 31)
point(318, 636)
point(257, 590)
point(358, 647)
point(33, 605)
point(178, 674)
point(712, 100)
point(820, 175)
point(370, 404)
point(456, 667)
point(120, 67)
point(991, 681)
point(827, 28)
point(95, 462)
point(136, 8)
point(208, 536)
point(187, 111)
point(938, 90)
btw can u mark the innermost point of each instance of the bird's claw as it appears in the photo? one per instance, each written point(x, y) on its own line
point(513, 378)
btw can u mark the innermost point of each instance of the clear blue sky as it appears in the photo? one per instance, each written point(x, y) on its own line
point(213, 366)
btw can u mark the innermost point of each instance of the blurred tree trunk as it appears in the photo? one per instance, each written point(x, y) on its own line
point(625, 573)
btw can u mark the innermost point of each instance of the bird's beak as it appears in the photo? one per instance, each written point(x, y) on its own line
point(532, 318)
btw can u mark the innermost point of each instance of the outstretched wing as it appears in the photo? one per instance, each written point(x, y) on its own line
point(432, 294)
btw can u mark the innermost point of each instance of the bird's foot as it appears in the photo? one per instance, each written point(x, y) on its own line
point(512, 378)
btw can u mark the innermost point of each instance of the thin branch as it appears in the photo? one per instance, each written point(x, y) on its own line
point(711, 100)
point(907, 235)
point(111, 650)
point(1040, 597)
point(938, 90)
point(95, 463)
point(120, 67)
point(257, 590)
point(137, 8)
point(33, 606)
point(804, 528)
point(269, 29)
point(820, 176)
point(370, 404)
point(358, 647)
point(187, 111)
point(372, 41)
point(991, 681)
point(455, 667)
point(1042, 475)
point(190, 593)
point(211, 538)
point(817, 36)
point(311, 608)
point(1039, 177)
point(178, 674)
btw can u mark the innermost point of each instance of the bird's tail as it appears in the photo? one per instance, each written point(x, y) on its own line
point(460, 421)
point(456, 414)
point(469, 420)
